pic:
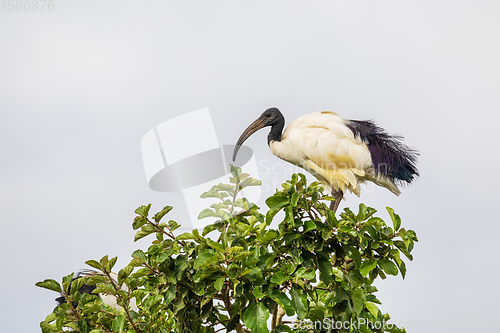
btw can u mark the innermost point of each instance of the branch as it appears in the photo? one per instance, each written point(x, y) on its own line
point(278, 314)
point(241, 329)
point(273, 320)
point(73, 310)
point(281, 314)
point(236, 191)
point(169, 234)
point(125, 303)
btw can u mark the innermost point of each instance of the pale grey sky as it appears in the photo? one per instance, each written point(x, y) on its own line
point(82, 84)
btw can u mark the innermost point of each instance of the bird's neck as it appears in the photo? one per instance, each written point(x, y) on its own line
point(275, 133)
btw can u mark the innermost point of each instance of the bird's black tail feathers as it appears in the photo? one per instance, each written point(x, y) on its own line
point(390, 156)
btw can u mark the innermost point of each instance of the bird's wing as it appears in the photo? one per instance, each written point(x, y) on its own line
point(330, 150)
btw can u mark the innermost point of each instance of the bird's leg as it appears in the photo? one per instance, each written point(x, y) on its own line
point(337, 195)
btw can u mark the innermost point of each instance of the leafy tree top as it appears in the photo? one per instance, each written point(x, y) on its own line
point(314, 273)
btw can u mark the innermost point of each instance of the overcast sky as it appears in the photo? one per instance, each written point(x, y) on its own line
point(82, 84)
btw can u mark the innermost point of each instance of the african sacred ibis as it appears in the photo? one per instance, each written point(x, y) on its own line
point(88, 289)
point(340, 153)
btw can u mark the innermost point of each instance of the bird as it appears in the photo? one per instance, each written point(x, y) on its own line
point(340, 153)
point(88, 289)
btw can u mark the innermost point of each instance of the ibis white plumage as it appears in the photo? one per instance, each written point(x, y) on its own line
point(340, 153)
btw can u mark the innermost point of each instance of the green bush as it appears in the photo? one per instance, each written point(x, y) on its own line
point(314, 273)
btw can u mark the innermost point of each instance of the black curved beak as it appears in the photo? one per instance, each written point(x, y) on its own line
point(254, 127)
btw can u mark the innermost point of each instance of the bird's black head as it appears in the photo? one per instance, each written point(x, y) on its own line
point(271, 117)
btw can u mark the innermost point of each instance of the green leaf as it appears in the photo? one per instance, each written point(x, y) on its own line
point(238, 288)
point(207, 212)
point(367, 266)
point(354, 254)
point(249, 181)
point(402, 268)
point(375, 221)
point(46, 325)
point(206, 258)
point(169, 294)
point(295, 199)
point(111, 263)
point(289, 214)
point(242, 254)
point(76, 285)
point(139, 221)
point(104, 288)
point(358, 300)
point(267, 237)
point(139, 254)
point(354, 278)
point(331, 220)
point(340, 295)
point(280, 297)
point(252, 274)
point(95, 264)
point(278, 278)
point(257, 292)
point(184, 236)
point(235, 171)
point(142, 233)
point(362, 212)
point(299, 302)
point(271, 213)
point(402, 247)
point(219, 283)
point(136, 262)
point(173, 225)
point(178, 304)
point(412, 235)
point(255, 318)
point(388, 266)
point(208, 229)
point(308, 274)
point(374, 234)
point(372, 308)
point(207, 309)
point(104, 261)
point(216, 246)
point(158, 216)
point(396, 220)
point(277, 201)
point(283, 328)
point(309, 225)
point(234, 249)
point(325, 269)
point(196, 235)
point(50, 285)
point(407, 239)
point(118, 323)
point(143, 210)
point(95, 279)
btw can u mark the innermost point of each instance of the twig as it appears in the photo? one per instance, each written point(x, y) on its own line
point(125, 303)
point(169, 234)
